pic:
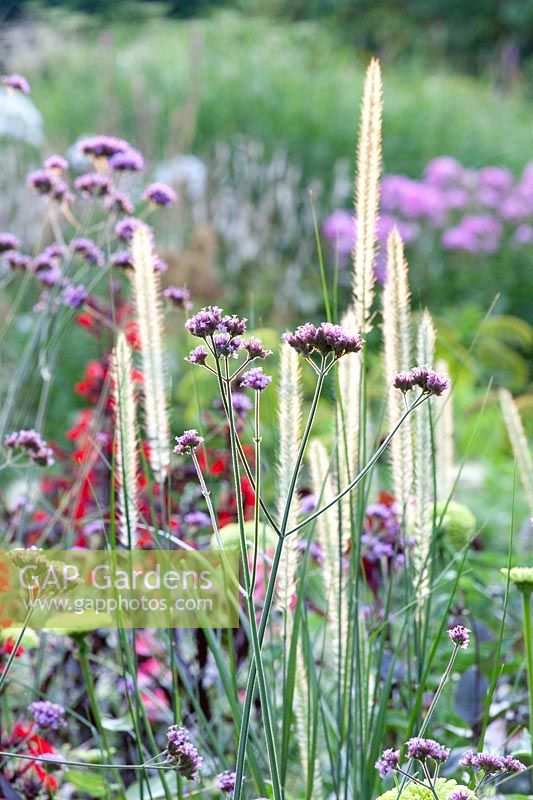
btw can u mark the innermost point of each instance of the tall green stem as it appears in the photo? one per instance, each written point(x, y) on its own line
point(256, 645)
point(269, 595)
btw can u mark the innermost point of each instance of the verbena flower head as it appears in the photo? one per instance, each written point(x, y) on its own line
point(33, 444)
point(56, 163)
point(227, 345)
point(233, 325)
point(181, 752)
point(17, 83)
point(8, 241)
point(428, 380)
point(205, 322)
point(254, 348)
point(125, 227)
point(93, 184)
point(389, 761)
point(47, 182)
point(122, 259)
point(119, 203)
point(160, 194)
point(226, 781)
point(522, 577)
point(189, 440)
point(241, 404)
point(197, 356)
point(404, 381)
point(461, 794)
point(424, 749)
point(179, 297)
point(47, 714)
point(17, 261)
point(102, 146)
point(325, 339)
point(88, 250)
point(255, 379)
point(460, 636)
point(160, 265)
point(129, 160)
point(511, 764)
point(74, 296)
point(483, 762)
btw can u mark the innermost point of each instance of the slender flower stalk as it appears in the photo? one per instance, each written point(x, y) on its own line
point(423, 517)
point(397, 357)
point(517, 436)
point(148, 302)
point(126, 459)
point(367, 195)
point(289, 421)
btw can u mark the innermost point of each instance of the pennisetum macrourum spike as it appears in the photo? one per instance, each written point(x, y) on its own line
point(367, 189)
point(147, 294)
point(126, 454)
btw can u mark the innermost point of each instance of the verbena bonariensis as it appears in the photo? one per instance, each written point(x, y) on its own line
point(341, 598)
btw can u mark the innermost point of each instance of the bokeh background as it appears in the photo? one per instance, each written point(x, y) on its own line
point(249, 109)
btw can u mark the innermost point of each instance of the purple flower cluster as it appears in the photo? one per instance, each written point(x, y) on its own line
point(8, 241)
point(125, 227)
point(179, 297)
point(187, 442)
point(181, 752)
point(93, 184)
point(122, 259)
point(17, 260)
point(490, 763)
point(389, 761)
point(56, 163)
point(381, 537)
point(255, 379)
point(102, 146)
point(197, 356)
point(206, 322)
point(74, 296)
point(33, 444)
point(226, 781)
point(16, 83)
point(160, 194)
point(88, 250)
point(428, 380)
point(460, 636)
point(48, 183)
point(129, 160)
point(460, 794)
point(254, 348)
point(47, 714)
point(427, 749)
point(325, 339)
point(226, 345)
point(470, 210)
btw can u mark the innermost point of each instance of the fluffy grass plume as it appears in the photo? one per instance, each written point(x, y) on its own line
point(517, 436)
point(290, 414)
point(397, 356)
point(367, 195)
point(332, 549)
point(126, 458)
point(444, 441)
point(423, 467)
point(148, 302)
point(303, 712)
